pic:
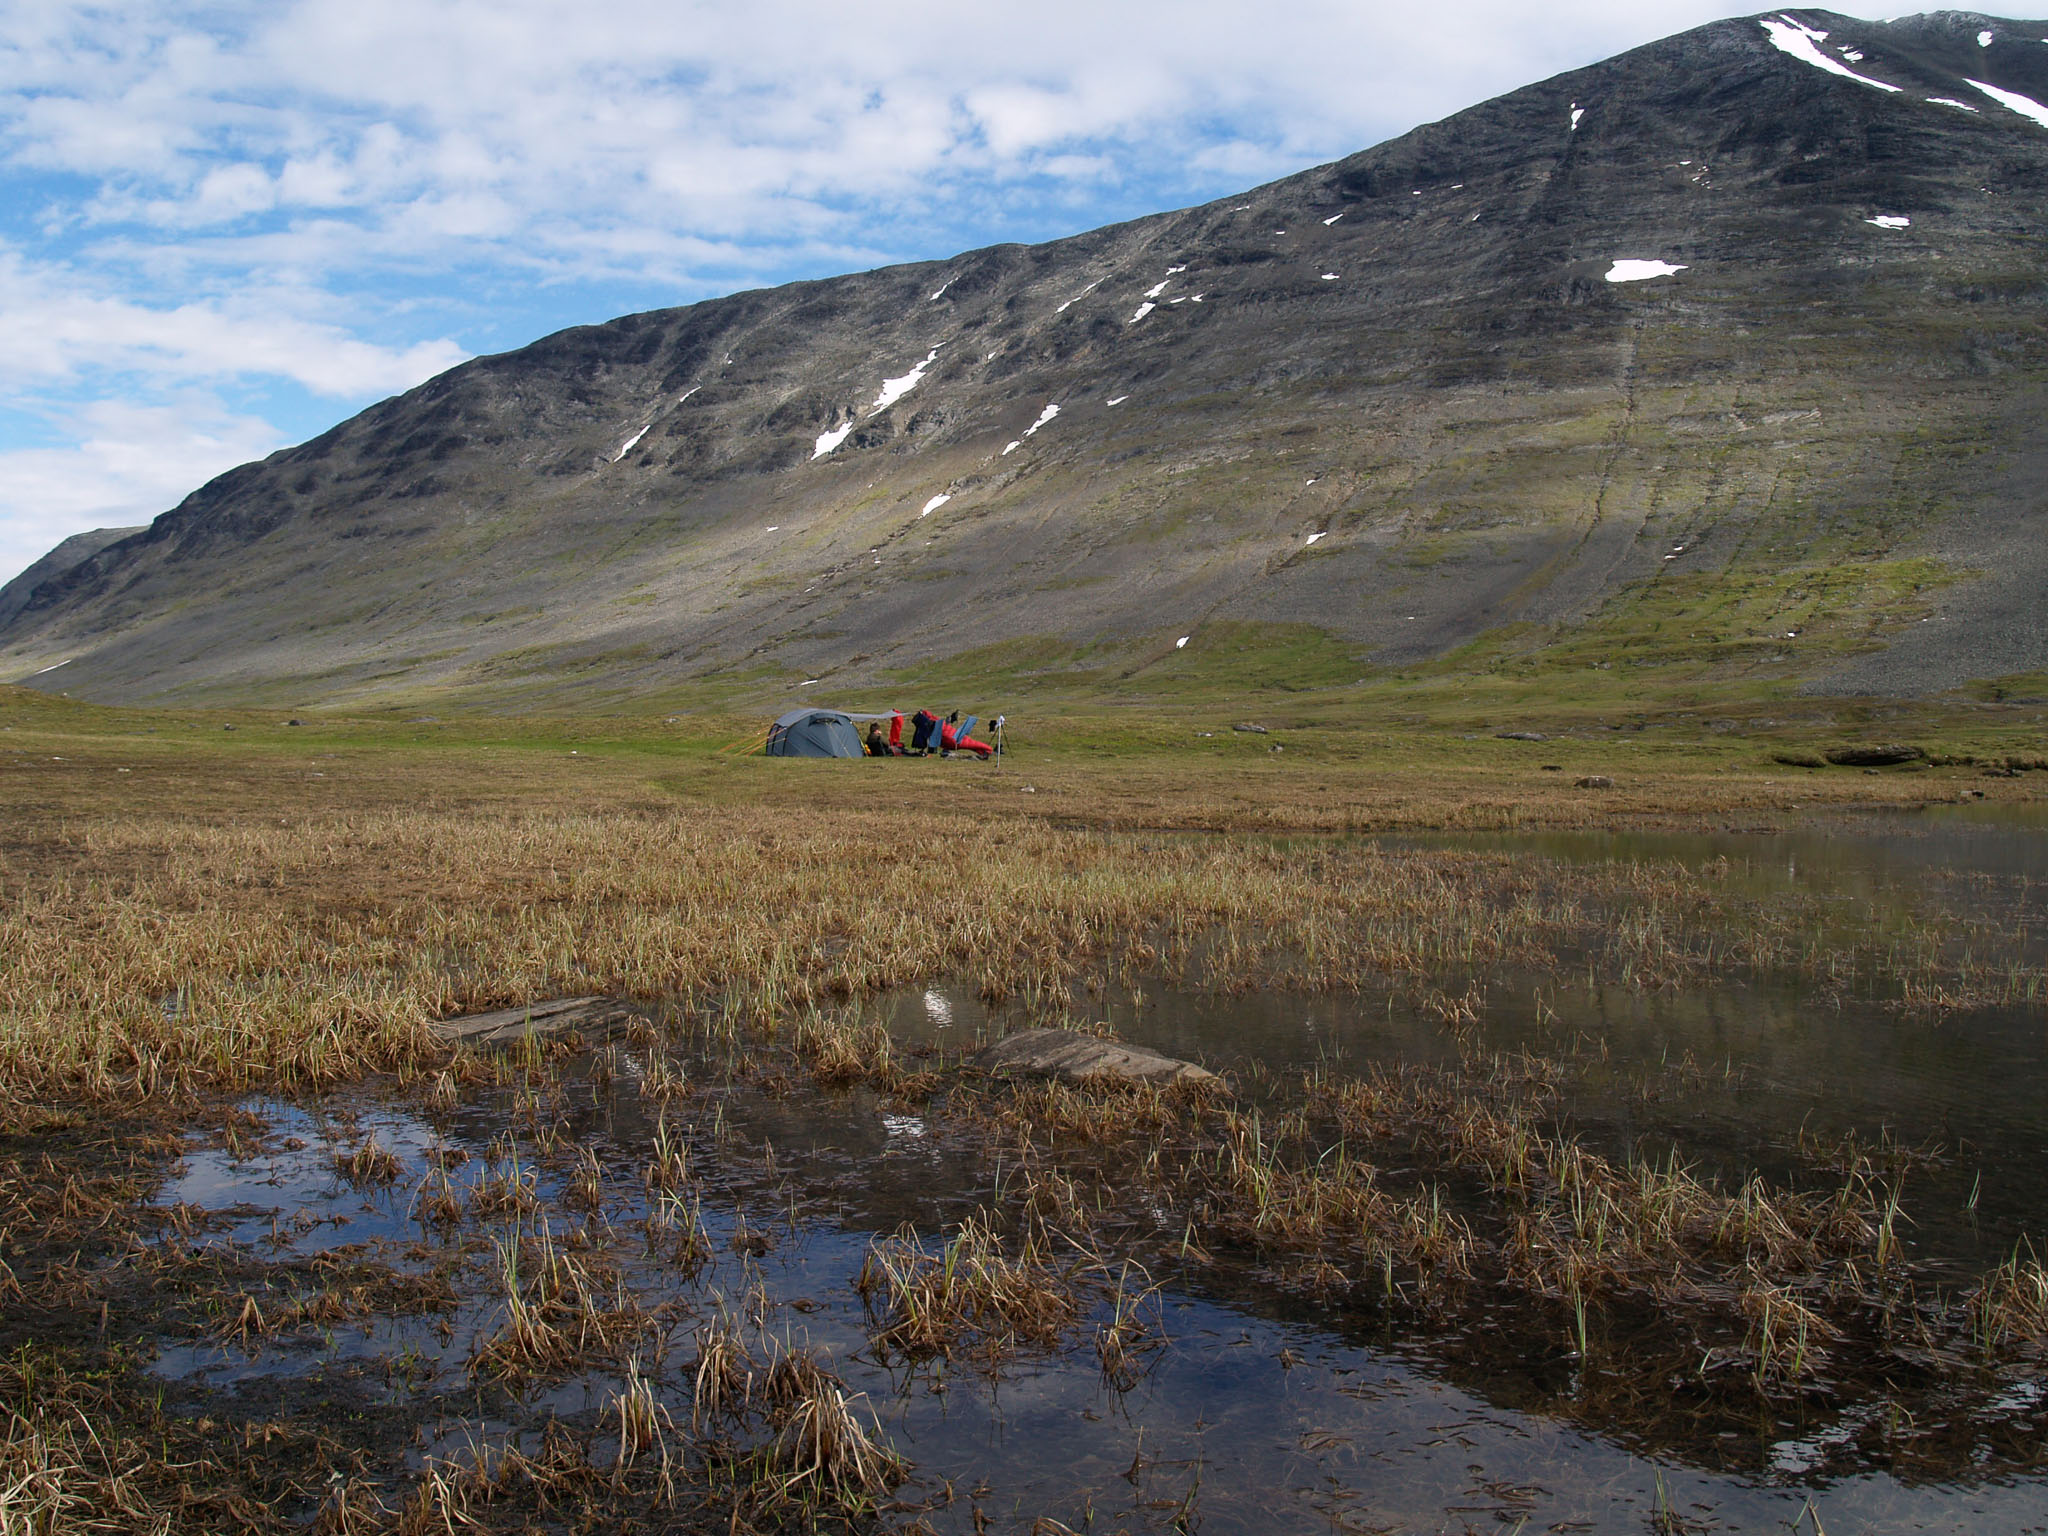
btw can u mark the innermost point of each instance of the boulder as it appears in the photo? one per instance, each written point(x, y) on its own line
point(1520, 736)
point(1594, 781)
point(1873, 755)
point(502, 1026)
point(1070, 1054)
point(1249, 729)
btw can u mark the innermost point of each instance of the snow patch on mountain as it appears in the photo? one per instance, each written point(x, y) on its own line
point(1799, 40)
point(1077, 298)
point(895, 389)
point(1632, 271)
point(2026, 106)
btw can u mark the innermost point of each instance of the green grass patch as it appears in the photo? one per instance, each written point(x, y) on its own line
point(1221, 661)
point(1703, 624)
point(2016, 687)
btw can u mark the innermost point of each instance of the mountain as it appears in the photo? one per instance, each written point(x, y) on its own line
point(79, 547)
point(1412, 409)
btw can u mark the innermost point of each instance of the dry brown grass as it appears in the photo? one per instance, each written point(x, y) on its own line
point(1461, 1192)
point(968, 1293)
point(369, 1165)
point(316, 952)
point(2009, 1309)
point(557, 1312)
point(217, 916)
point(82, 1453)
point(824, 1451)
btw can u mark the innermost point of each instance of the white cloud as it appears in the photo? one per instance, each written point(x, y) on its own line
point(436, 127)
point(122, 465)
point(465, 121)
point(132, 389)
point(58, 328)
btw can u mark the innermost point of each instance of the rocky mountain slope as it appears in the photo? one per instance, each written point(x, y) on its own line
point(15, 595)
point(1726, 351)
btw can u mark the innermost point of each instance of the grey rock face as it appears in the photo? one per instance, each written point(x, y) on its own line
point(503, 1026)
point(1402, 398)
point(1067, 1054)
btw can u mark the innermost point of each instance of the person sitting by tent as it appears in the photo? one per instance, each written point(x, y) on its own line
point(876, 746)
point(953, 737)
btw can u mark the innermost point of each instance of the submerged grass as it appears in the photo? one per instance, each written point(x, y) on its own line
point(1445, 1208)
point(969, 1293)
point(1457, 1198)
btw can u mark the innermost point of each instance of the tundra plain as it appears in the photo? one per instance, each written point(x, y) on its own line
point(275, 1254)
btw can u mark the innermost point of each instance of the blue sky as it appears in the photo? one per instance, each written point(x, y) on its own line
point(226, 226)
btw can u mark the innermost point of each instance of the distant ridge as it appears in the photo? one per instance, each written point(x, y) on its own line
point(1723, 354)
point(14, 596)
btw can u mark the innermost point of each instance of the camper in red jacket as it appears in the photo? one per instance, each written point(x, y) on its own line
point(953, 737)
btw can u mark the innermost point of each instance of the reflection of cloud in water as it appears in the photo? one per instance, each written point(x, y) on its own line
point(287, 1190)
point(904, 1127)
point(938, 1008)
point(1794, 1457)
point(2018, 1397)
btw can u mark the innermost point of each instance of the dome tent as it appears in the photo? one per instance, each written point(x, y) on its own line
point(814, 733)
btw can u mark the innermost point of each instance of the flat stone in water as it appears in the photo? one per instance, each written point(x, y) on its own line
point(1070, 1054)
point(504, 1025)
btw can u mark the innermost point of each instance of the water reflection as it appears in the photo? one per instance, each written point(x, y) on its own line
point(1263, 1412)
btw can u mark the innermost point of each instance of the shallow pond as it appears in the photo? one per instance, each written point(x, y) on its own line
point(1251, 1407)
